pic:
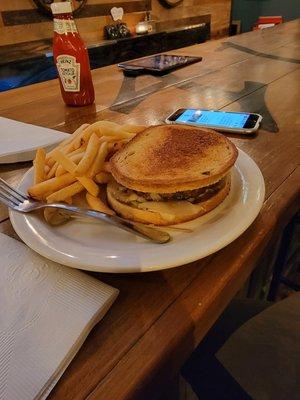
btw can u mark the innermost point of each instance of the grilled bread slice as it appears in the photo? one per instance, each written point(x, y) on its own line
point(173, 158)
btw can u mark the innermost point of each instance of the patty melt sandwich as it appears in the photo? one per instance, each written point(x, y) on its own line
point(170, 174)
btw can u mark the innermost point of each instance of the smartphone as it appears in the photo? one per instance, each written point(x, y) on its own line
point(224, 121)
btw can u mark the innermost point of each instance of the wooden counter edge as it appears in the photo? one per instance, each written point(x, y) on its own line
point(136, 373)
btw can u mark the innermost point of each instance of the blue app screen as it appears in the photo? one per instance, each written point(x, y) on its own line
point(215, 118)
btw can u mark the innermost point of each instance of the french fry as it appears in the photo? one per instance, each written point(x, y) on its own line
point(104, 128)
point(99, 160)
point(107, 126)
point(79, 141)
point(65, 143)
point(49, 159)
point(54, 216)
point(77, 134)
point(39, 166)
point(105, 139)
point(49, 162)
point(71, 172)
point(70, 148)
point(75, 158)
point(96, 204)
point(52, 171)
point(41, 190)
point(134, 128)
point(65, 193)
point(103, 177)
point(118, 136)
point(64, 161)
point(122, 134)
point(67, 151)
point(77, 151)
point(84, 136)
point(100, 128)
point(89, 156)
point(60, 171)
point(70, 166)
point(89, 184)
point(76, 141)
point(128, 135)
point(107, 129)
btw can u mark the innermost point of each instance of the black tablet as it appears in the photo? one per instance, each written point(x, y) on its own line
point(158, 64)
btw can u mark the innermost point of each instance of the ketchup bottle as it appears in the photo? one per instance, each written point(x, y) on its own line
point(71, 58)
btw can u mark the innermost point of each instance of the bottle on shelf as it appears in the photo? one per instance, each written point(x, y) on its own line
point(71, 58)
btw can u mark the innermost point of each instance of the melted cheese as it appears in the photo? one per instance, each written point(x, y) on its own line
point(171, 209)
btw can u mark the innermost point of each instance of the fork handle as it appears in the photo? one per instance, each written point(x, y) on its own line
point(136, 228)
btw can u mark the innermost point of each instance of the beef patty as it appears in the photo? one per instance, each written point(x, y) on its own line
point(193, 196)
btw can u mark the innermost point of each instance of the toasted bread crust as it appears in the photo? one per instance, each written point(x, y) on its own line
point(172, 158)
point(150, 217)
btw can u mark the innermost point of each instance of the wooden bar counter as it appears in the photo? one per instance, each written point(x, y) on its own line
point(159, 317)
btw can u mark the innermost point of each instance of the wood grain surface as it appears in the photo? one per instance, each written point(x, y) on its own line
point(160, 317)
point(21, 22)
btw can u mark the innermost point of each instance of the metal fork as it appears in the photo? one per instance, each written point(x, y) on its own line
point(18, 201)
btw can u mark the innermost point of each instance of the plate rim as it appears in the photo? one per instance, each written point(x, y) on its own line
point(37, 246)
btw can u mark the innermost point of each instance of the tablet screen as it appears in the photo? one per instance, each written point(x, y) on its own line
point(160, 62)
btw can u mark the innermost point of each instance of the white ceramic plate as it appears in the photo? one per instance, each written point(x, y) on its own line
point(97, 246)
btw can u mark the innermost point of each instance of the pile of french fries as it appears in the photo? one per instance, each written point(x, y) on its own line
point(74, 171)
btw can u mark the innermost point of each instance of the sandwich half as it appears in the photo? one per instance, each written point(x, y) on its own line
point(170, 174)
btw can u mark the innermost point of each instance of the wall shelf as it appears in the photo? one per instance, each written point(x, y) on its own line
point(26, 63)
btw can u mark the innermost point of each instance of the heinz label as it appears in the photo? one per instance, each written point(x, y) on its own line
point(69, 72)
point(64, 26)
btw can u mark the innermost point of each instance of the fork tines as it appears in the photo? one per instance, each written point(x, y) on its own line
point(9, 196)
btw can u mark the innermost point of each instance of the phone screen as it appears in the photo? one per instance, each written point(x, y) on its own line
point(214, 118)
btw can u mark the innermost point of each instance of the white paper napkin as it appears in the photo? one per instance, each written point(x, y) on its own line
point(46, 313)
point(19, 141)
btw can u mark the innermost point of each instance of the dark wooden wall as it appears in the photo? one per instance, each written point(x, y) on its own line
point(21, 22)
